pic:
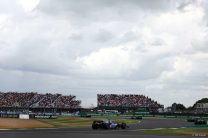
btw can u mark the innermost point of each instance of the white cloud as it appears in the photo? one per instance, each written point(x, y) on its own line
point(3, 18)
point(158, 49)
point(28, 5)
point(181, 67)
point(114, 61)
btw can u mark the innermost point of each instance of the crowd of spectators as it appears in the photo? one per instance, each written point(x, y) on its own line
point(35, 100)
point(126, 100)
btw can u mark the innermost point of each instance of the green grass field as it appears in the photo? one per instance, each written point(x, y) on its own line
point(181, 131)
point(63, 122)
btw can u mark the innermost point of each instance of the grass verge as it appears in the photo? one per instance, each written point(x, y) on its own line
point(14, 123)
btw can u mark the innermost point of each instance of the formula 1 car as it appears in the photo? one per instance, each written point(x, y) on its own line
point(136, 117)
point(200, 122)
point(191, 119)
point(108, 124)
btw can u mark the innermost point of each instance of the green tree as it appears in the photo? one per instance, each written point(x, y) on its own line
point(203, 100)
point(178, 107)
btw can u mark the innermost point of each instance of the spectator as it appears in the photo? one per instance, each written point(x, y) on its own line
point(31, 99)
point(114, 100)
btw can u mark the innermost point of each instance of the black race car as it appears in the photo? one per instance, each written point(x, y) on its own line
point(108, 124)
point(200, 122)
point(136, 117)
point(191, 119)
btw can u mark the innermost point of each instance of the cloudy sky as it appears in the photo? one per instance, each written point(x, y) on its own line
point(84, 47)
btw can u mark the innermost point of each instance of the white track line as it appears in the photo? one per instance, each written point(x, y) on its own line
point(4, 129)
point(161, 128)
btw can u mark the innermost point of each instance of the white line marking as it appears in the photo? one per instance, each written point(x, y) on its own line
point(4, 129)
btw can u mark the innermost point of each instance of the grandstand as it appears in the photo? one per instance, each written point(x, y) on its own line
point(131, 101)
point(36, 100)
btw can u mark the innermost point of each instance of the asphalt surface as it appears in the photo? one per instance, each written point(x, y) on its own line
point(151, 123)
point(131, 132)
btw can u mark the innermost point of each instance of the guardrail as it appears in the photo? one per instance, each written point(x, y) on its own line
point(146, 115)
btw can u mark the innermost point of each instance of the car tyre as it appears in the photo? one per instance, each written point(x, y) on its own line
point(94, 127)
point(123, 126)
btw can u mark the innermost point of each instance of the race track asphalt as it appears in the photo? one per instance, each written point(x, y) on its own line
point(151, 123)
point(132, 132)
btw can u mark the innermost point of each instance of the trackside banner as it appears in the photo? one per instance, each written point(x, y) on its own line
point(45, 117)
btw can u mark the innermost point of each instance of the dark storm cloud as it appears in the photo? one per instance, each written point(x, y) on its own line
point(102, 10)
point(92, 6)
